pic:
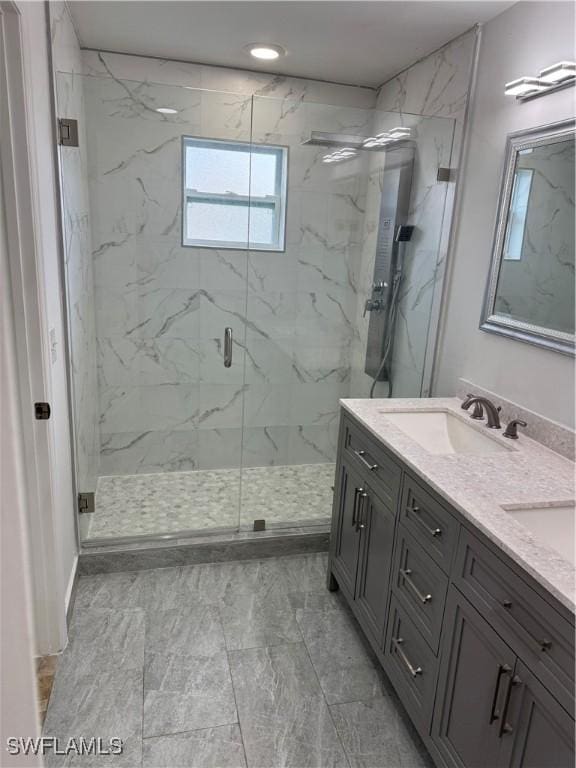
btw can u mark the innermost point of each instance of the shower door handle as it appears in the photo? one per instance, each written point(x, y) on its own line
point(227, 347)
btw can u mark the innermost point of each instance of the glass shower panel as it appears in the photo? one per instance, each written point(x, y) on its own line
point(301, 316)
point(307, 324)
point(158, 416)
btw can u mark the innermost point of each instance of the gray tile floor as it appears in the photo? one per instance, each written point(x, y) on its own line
point(240, 664)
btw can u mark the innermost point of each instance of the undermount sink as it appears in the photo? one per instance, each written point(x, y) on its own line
point(442, 432)
point(552, 524)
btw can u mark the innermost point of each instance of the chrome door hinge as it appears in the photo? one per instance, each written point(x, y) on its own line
point(446, 174)
point(67, 132)
point(86, 503)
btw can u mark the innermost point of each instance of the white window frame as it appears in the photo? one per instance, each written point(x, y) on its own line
point(277, 201)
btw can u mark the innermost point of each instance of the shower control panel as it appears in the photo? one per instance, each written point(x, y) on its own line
point(394, 206)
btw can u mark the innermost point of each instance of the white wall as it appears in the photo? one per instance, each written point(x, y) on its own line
point(62, 549)
point(17, 702)
point(521, 41)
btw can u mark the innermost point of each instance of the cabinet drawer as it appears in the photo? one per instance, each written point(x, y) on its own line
point(411, 665)
point(534, 629)
point(429, 522)
point(372, 461)
point(420, 586)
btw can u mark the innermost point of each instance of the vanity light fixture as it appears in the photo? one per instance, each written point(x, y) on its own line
point(558, 73)
point(550, 79)
point(265, 51)
point(167, 111)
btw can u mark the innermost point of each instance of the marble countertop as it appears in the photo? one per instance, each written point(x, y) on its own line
point(477, 485)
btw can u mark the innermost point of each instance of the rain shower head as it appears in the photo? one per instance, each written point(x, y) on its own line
point(327, 139)
point(366, 143)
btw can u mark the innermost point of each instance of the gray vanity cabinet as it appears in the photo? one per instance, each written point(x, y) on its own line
point(346, 544)
point(542, 732)
point(476, 671)
point(492, 711)
point(481, 656)
point(377, 526)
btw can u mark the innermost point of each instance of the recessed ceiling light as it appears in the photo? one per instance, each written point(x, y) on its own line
point(167, 111)
point(265, 51)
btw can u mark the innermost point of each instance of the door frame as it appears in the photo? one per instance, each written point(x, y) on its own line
point(26, 286)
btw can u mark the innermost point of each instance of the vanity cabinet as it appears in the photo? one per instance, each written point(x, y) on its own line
point(480, 655)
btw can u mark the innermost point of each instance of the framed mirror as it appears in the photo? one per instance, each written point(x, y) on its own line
point(530, 291)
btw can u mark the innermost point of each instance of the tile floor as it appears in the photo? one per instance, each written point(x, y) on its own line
point(248, 664)
point(166, 502)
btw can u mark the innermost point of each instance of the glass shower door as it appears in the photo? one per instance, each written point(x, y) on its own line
point(156, 266)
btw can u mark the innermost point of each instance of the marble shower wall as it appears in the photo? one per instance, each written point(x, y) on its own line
point(435, 87)
point(166, 401)
point(77, 249)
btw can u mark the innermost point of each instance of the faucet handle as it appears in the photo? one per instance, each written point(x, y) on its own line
point(511, 430)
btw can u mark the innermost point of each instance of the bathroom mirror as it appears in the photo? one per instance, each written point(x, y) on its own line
point(530, 291)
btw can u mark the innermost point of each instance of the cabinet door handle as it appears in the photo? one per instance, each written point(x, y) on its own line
point(432, 531)
point(503, 669)
point(354, 507)
point(361, 455)
point(414, 671)
point(407, 573)
point(506, 727)
point(361, 523)
point(357, 492)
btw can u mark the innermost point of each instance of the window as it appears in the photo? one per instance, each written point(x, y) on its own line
point(514, 241)
point(234, 194)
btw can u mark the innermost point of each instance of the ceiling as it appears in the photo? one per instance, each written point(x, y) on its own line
point(361, 43)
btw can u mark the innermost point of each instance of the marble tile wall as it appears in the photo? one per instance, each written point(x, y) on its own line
point(77, 249)
point(166, 401)
point(436, 88)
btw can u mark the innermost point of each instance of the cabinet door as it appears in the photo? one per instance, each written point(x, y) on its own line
point(541, 731)
point(347, 544)
point(377, 525)
point(476, 669)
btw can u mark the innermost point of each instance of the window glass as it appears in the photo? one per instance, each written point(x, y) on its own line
point(234, 194)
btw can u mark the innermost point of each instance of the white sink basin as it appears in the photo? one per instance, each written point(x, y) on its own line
point(442, 432)
point(553, 525)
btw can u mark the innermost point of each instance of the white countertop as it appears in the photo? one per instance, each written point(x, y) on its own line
point(477, 485)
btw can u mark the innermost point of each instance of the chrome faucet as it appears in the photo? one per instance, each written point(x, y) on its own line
point(492, 415)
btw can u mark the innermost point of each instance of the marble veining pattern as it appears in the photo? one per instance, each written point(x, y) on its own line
point(132, 505)
point(230, 675)
point(478, 485)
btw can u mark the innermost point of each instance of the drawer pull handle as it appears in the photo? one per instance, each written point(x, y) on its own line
point(407, 573)
point(414, 671)
point(544, 644)
point(432, 531)
point(361, 455)
point(503, 669)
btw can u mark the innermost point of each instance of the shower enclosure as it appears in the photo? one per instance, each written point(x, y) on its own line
point(219, 261)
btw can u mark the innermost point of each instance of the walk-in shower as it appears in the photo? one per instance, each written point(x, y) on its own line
point(219, 259)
